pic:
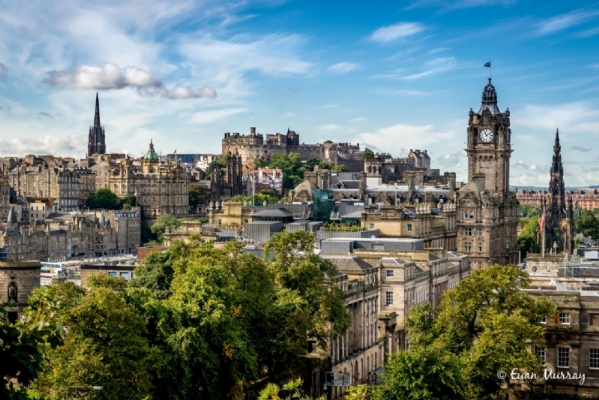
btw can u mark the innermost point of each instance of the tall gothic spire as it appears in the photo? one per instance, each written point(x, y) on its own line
point(96, 143)
point(97, 116)
point(489, 100)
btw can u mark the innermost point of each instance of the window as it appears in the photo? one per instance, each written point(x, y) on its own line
point(594, 358)
point(467, 247)
point(508, 230)
point(480, 265)
point(564, 318)
point(112, 273)
point(389, 273)
point(540, 351)
point(467, 231)
point(563, 357)
point(480, 231)
point(468, 214)
point(125, 275)
point(544, 320)
point(371, 226)
point(389, 298)
point(480, 247)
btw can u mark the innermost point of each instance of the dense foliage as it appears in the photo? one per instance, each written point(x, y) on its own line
point(107, 200)
point(368, 153)
point(529, 211)
point(293, 167)
point(221, 162)
point(587, 223)
point(162, 222)
point(529, 235)
point(483, 326)
point(196, 322)
point(198, 195)
point(21, 353)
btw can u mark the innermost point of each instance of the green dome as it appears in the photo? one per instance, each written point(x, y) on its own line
point(151, 154)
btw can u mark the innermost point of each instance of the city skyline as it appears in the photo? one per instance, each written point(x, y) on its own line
point(390, 77)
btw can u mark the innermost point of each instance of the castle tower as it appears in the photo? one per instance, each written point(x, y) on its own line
point(558, 209)
point(96, 142)
point(488, 213)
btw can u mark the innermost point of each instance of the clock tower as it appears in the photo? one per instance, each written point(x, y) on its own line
point(488, 212)
point(488, 147)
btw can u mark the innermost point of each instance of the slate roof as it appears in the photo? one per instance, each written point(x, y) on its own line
point(273, 213)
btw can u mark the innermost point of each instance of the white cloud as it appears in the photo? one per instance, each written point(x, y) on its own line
point(205, 117)
point(577, 117)
point(411, 92)
point(433, 67)
point(565, 21)
point(358, 119)
point(453, 160)
point(396, 31)
point(459, 4)
point(181, 92)
point(332, 105)
point(330, 127)
point(393, 138)
point(100, 78)
point(49, 144)
point(342, 67)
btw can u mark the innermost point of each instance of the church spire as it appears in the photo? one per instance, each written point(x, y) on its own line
point(97, 116)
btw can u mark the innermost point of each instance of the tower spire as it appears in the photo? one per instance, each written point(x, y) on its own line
point(489, 100)
point(97, 116)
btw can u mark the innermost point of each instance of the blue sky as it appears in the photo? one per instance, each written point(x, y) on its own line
point(391, 76)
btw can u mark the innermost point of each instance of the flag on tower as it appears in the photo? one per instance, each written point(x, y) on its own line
point(488, 64)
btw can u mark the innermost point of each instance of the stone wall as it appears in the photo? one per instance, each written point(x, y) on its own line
point(24, 275)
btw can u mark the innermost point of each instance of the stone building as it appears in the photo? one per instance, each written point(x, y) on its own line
point(380, 286)
point(228, 182)
point(72, 235)
point(255, 145)
point(4, 192)
point(587, 199)
point(487, 212)
point(159, 187)
point(17, 281)
point(67, 184)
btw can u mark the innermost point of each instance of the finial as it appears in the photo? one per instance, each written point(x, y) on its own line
point(489, 80)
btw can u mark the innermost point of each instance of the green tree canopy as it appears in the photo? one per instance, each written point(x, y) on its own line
point(198, 195)
point(529, 234)
point(587, 223)
point(483, 326)
point(368, 153)
point(103, 342)
point(221, 162)
point(162, 222)
point(528, 210)
point(103, 198)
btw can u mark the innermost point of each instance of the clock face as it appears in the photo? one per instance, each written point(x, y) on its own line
point(486, 136)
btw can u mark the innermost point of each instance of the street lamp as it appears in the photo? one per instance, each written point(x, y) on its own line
point(66, 396)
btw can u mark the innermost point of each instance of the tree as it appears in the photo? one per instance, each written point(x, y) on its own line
point(273, 391)
point(197, 195)
point(103, 198)
point(221, 162)
point(368, 153)
point(21, 352)
point(587, 223)
point(422, 374)
point(127, 202)
point(487, 322)
point(103, 343)
point(529, 234)
point(528, 210)
point(162, 222)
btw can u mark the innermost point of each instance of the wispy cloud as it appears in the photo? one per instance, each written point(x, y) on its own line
point(49, 144)
point(44, 114)
point(330, 127)
point(564, 21)
point(433, 67)
point(206, 117)
point(396, 31)
point(581, 148)
point(578, 117)
point(332, 105)
point(459, 4)
point(435, 51)
point(342, 67)
point(358, 119)
point(410, 92)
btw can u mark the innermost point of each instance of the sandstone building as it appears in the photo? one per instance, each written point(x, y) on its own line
point(255, 145)
point(487, 212)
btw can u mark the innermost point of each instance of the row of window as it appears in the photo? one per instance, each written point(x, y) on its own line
point(564, 318)
point(124, 275)
point(563, 356)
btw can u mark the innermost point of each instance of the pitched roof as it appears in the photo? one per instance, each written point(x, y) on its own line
point(273, 213)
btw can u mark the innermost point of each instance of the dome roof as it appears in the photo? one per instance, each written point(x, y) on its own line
point(489, 100)
point(151, 154)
